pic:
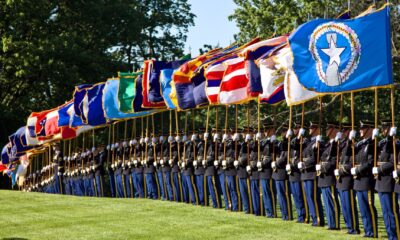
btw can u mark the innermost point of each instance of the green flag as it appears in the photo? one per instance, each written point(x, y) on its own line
point(126, 91)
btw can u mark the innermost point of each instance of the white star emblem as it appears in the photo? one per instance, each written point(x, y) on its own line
point(333, 51)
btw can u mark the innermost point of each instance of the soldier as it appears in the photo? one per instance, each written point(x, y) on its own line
point(188, 171)
point(254, 174)
point(138, 167)
point(150, 171)
point(297, 145)
point(126, 172)
point(59, 169)
point(66, 175)
point(217, 154)
point(364, 180)
point(169, 153)
point(309, 177)
point(280, 176)
point(269, 149)
point(396, 174)
point(326, 178)
point(160, 146)
point(176, 177)
point(99, 160)
point(242, 172)
point(118, 173)
point(199, 171)
point(210, 171)
point(231, 186)
point(110, 169)
point(384, 181)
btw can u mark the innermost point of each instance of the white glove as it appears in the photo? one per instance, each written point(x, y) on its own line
point(135, 162)
point(236, 163)
point(184, 138)
point(375, 133)
point(204, 163)
point(302, 131)
point(112, 165)
point(353, 171)
point(395, 174)
point(248, 137)
point(170, 139)
point(336, 172)
point(288, 167)
point(300, 165)
point(162, 162)
point(93, 149)
point(194, 163)
point(352, 134)
point(131, 143)
point(216, 136)
point(289, 133)
point(112, 146)
point(273, 138)
point(259, 164)
point(223, 162)
point(216, 163)
point(141, 140)
point(258, 136)
point(375, 170)
point(206, 135)
point(194, 137)
point(108, 147)
point(171, 162)
point(161, 138)
point(224, 137)
point(338, 136)
point(146, 139)
point(318, 138)
point(236, 137)
point(248, 168)
point(178, 138)
point(393, 131)
point(318, 167)
point(124, 144)
point(134, 142)
point(183, 164)
point(154, 140)
point(116, 145)
point(155, 164)
point(273, 164)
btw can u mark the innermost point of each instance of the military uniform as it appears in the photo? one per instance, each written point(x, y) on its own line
point(118, 173)
point(199, 170)
point(150, 173)
point(58, 166)
point(364, 186)
point(244, 178)
point(385, 186)
point(210, 174)
point(169, 153)
point(254, 176)
point(230, 189)
point(161, 184)
point(126, 172)
point(99, 159)
point(189, 189)
point(176, 177)
point(269, 149)
point(138, 168)
point(282, 181)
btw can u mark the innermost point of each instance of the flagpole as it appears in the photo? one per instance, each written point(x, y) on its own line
point(194, 142)
point(352, 129)
point(109, 145)
point(226, 129)
point(392, 105)
point(289, 137)
point(376, 126)
point(301, 136)
point(236, 129)
point(206, 139)
point(340, 130)
point(319, 127)
point(258, 131)
point(185, 159)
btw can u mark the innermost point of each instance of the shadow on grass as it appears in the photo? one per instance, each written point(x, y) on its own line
point(13, 238)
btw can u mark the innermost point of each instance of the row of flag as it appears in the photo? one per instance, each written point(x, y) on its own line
point(320, 57)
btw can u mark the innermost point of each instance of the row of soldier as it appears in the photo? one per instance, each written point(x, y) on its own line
point(246, 170)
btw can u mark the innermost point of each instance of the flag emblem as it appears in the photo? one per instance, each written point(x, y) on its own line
point(336, 49)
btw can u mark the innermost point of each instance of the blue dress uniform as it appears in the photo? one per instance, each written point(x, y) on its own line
point(296, 187)
point(199, 172)
point(309, 178)
point(166, 170)
point(212, 184)
point(138, 168)
point(99, 160)
point(120, 189)
point(385, 187)
point(269, 149)
point(254, 176)
point(91, 177)
point(344, 185)
point(397, 195)
point(111, 172)
point(176, 176)
point(243, 179)
point(188, 174)
point(364, 186)
point(231, 184)
point(150, 173)
point(79, 180)
point(282, 181)
point(326, 182)
point(126, 172)
point(59, 172)
point(160, 178)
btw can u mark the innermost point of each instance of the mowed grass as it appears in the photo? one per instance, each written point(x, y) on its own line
point(41, 216)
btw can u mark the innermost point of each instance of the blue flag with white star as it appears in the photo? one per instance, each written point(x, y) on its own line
point(335, 55)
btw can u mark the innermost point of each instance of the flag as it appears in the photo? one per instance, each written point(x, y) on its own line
point(22, 169)
point(110, 101)
point(5, 159)
point(342, 55)
point(51, 126)
point(241, 81)
point(146, 103)
point(19, 141)
point(154, 90)
point(31, 139)
point(81, 101)
point(126, 92)
point(2, 167)
point(166, 88)
point(272, 74)
point(95, 113)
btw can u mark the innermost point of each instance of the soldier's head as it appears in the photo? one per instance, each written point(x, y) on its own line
point(269, 129)
point(284, 130)
point(332, 128)
point(296, 128)
point(346, 128)
point(386, 124)
point(314, 129)
point(56, 146)
point(366, 128)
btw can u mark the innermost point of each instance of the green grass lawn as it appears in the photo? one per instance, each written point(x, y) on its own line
point(41, 216)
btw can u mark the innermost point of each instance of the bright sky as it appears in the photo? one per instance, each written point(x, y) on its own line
point(211, 24)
